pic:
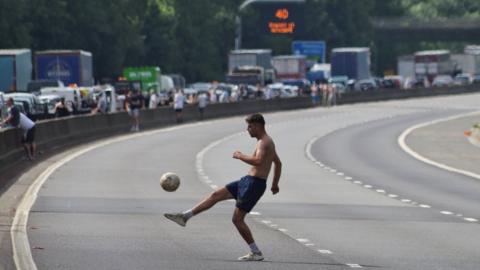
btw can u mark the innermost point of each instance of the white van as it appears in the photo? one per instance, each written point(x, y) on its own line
point(72, 96)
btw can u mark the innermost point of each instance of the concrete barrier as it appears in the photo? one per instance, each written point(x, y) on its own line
point(57, 133)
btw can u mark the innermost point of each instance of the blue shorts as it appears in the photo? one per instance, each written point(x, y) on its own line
point(247, 191)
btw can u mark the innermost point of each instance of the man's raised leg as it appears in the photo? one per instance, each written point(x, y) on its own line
point(218, 195)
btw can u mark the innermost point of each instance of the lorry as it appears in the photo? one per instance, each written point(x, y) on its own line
point(150, 77)
point(429, 64)
point(406, 66)
point(238, 60)
point(469, 61)
point(319, 72)
point(351, 62)
point(15, 69)
point(249, 75)
point(72, 67)
point(290, 66)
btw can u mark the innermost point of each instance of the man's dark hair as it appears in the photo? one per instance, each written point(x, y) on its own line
point(255, 118)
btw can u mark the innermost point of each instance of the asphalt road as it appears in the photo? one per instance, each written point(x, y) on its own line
point(349, 197)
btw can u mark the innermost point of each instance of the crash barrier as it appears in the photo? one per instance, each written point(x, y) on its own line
point(391, 94)
point(53, 134)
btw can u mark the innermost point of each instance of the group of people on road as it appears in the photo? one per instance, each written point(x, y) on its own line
point(326, 92)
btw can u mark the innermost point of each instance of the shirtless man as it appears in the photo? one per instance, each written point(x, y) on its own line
point(246, 191)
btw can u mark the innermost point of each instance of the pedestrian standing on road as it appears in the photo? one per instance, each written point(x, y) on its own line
point(314, 92)
point(178, 102)
point(246, 191)
point(135, 103)
point(153, 102)
point(17, 119)
point(259, 92)
point(202, 104)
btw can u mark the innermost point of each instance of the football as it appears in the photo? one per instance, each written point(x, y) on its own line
point(170, 181)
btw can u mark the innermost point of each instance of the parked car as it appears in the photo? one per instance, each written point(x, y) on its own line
point(476, 79)
point(463, 79)
point(442, 80)
point(48, 102)
point(366, 85)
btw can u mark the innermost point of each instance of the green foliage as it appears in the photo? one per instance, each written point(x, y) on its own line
point(193, 37)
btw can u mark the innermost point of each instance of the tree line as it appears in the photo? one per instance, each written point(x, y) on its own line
point(192, 37)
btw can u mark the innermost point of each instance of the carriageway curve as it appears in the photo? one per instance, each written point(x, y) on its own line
point(349, 197)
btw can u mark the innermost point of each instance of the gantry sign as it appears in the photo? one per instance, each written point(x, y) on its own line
point(277, 17)
point(281, 17)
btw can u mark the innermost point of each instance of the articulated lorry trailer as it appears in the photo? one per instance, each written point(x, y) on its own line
point(68, 66)
point(244, 66)
point(351, 62)
point(15, 69)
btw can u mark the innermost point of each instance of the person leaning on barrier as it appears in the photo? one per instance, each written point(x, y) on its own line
point(17, 119)
point(61, 109)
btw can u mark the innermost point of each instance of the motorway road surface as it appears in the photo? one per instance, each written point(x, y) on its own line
point(350, 197)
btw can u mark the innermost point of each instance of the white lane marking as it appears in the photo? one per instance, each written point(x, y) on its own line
point(380, 191)
point(407, 149)
point(309, 244)
point(425, 206)
point(471, 219)
point(406, 200)
point(348, 178)
point(255, 213)
point(283, 230)
point(446, 212)
point(214, 186)
point(325, 251)
point(353, 265)
point(303, 240)
point(22, 254)
point(266, 221)
point(368, 186)
point(340, 174)
point(392, 196)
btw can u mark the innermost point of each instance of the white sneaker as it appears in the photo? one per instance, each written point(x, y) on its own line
point(177, 218)
point(252, 257)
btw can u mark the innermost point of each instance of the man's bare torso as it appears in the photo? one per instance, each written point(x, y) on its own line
point(266, 145)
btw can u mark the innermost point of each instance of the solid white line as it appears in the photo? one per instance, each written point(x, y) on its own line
point(324, 251)
point(354, 265)
point(406, 148)
point(471, 219)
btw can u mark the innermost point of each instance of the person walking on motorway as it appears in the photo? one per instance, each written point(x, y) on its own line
point(202, 103)
point(134, 102)
point(16, 118)
point(178, 102)
point(246, 191)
